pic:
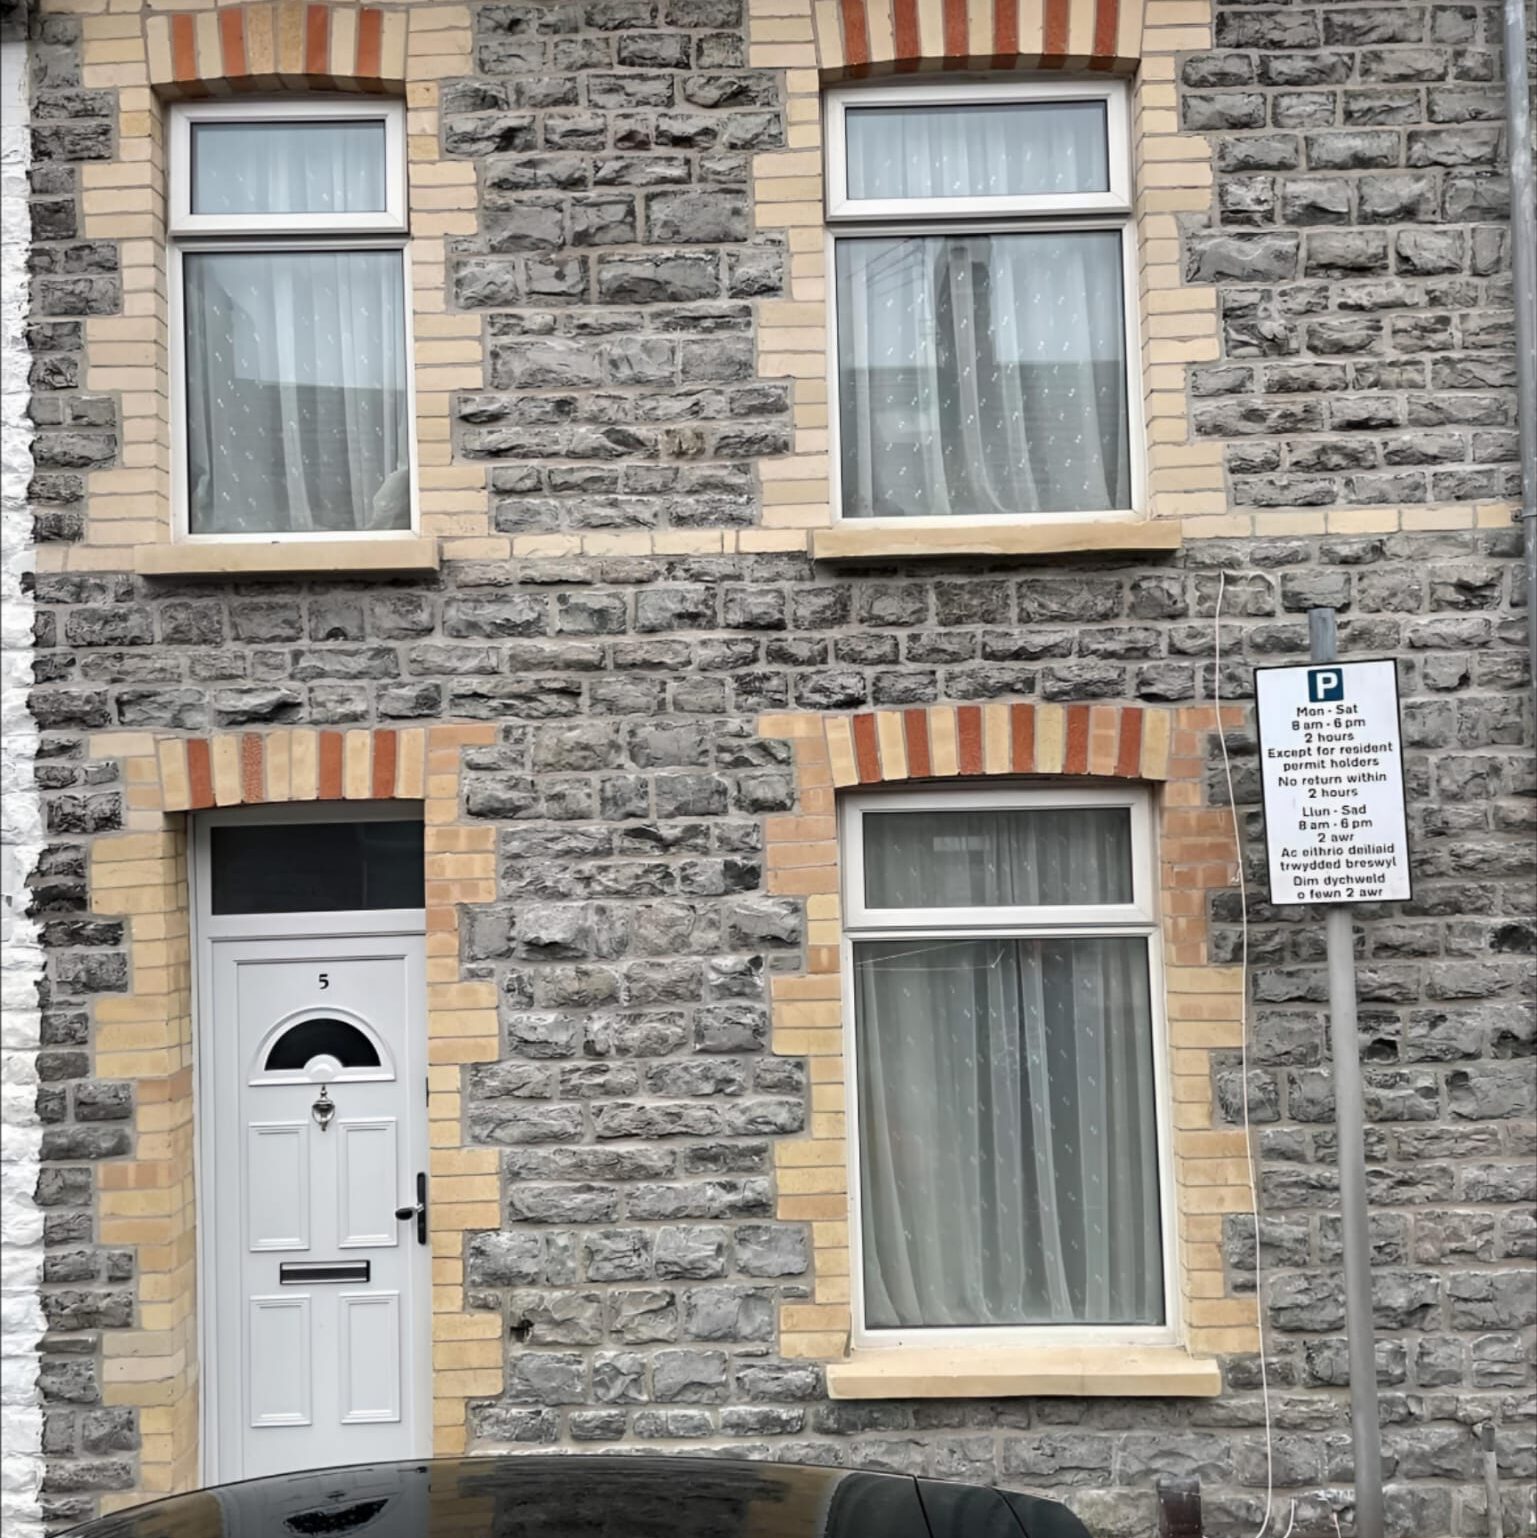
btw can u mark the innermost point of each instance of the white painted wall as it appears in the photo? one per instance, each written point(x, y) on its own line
point(21, 1318)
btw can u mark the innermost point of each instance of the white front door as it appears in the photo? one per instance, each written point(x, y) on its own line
point(315, 1076)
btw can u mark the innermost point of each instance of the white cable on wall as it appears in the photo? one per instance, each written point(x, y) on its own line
point(1243, 1060)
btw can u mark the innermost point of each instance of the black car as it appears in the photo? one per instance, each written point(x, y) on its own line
point(580, 1496)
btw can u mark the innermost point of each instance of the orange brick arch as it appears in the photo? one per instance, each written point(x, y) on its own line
point(940, 741)
point(291, 764)
point(282, 45)
point(856, 38)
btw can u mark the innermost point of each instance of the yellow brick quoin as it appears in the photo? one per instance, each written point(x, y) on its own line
point(145, 1036)
point(1204, 1005)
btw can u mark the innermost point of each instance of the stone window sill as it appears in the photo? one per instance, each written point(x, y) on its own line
point(1159, 1372)
point(853, 541)
point(290, 557)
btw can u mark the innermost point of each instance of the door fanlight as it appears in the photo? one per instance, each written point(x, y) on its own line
point(321, 1036)
point(314, 1046)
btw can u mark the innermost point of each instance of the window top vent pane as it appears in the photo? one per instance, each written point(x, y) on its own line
point(288, 167)
point(977, 150)
point(1012, 858)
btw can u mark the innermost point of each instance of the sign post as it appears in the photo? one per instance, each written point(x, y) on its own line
point(1336, 832)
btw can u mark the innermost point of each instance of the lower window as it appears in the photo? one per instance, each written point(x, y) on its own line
point(1008, 1142)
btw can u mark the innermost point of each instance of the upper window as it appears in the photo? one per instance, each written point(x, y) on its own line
point(1007, 1141)
point(291, 391)
point(982, 271)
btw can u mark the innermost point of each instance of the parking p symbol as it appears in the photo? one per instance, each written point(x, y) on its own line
point(1325, 684)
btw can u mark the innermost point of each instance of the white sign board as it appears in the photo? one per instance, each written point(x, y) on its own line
point(1332, 771)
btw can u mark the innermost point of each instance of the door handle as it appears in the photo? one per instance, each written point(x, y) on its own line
point(418, 1210)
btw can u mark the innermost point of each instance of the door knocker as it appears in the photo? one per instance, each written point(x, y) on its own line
point(324, 1108)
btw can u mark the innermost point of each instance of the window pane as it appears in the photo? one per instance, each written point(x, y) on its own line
point(1008, 1147)
point(288, 168)
point(321, 1037)
point(316, 867)
point(1013, 857)
point(1011, 149)
point(982, 374)
point(296, 392)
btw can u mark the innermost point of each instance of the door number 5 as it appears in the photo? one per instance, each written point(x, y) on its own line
point(325, 979)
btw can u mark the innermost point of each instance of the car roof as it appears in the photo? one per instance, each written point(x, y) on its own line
point(583, 1496)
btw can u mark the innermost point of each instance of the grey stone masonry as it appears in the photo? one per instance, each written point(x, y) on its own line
point(21, 958)
point(1359, 242)
point(615, 263)
point(72, 278)
point(635, 1101)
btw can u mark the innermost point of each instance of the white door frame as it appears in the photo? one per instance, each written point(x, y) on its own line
point(339, 926)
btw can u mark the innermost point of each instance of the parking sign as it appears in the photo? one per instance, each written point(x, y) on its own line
point(1331, 769)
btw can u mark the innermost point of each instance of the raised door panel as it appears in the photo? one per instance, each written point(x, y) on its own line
point(278, 1185)
point(369, 1337)
point(278, 1360)
point(366, 1183)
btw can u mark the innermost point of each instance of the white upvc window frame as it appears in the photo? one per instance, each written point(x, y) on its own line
point(1138, 918)
point(257, 926)
point(1116, 199)
point(185, 116)
point(1042, 213)
point(191, 234)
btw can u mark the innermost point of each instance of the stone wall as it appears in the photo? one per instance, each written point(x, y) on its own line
point(1359, 240)
point(633, 934)
point(1362, 392)
point(616, 256)
point(21, 1320)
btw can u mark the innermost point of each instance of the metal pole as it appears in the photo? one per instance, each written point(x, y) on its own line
point(1350, 1132)
point(1523, 273)
point(1495, 1520)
